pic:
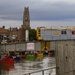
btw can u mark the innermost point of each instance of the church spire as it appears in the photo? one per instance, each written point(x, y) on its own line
point(26, 18)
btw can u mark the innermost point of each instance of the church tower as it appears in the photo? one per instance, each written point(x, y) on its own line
point(26, 18)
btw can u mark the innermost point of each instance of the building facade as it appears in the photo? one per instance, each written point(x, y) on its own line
point(13, 34)
point(3, 34)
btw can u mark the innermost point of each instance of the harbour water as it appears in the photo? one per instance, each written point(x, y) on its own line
point(24, 67)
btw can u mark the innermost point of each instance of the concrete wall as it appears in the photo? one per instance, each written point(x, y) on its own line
point(37, 46)
point(21, 47)
point(65, 57)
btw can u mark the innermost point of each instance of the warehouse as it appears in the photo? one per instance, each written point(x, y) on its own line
point(55, 33)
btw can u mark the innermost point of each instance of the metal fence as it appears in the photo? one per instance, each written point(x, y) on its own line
point(43, 71)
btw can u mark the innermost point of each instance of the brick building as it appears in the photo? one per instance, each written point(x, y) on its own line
point(3, 34)
point(13, 34)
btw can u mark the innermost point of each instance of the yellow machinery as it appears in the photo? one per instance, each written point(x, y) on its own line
point(38, 33)
point(3, 42)
point(45, 45)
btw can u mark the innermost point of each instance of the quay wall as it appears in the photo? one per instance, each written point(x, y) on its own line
point(28, 46)
point(36, 46)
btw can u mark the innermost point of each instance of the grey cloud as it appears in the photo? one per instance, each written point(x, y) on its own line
point(39, 10)
point(10, 23)
point(55, 11)
point(35, 24)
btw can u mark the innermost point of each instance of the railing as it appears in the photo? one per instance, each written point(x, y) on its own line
point(42, 71)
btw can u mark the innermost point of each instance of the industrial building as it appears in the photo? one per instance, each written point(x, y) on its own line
point(55, 33)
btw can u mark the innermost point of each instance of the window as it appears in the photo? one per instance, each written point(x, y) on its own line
point(38, 35)
point(38, 30)
point(63, 32)
point(73, 32)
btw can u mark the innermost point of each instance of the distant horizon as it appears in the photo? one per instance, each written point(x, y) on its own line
point(35, 24)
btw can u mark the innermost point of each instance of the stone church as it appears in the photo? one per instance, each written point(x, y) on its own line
point(21, 34)
point(26, 18)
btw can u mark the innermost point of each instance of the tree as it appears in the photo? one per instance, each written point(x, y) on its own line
point(32, 34)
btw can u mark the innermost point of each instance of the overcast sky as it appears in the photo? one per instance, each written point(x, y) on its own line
point(42, 12)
